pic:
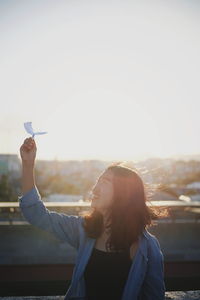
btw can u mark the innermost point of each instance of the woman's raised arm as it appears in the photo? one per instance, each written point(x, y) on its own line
point(67, 228)
point(28, 153)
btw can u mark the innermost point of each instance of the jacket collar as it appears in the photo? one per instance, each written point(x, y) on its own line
point(143, 243)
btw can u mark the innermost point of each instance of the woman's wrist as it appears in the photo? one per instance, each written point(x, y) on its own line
point(28, 177)
point(28, 164)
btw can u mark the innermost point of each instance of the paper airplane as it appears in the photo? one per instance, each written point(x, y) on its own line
point(29, 129)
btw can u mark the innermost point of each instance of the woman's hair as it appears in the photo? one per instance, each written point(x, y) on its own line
point(130, 214)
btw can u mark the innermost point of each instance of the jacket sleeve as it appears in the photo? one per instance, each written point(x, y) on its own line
point(64, 227)
point(153, 286)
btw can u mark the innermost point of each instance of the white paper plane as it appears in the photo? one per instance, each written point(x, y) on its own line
point(29, 129)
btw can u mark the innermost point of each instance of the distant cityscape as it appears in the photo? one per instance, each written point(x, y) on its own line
point(72, 180)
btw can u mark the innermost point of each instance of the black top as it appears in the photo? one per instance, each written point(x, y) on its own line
point(105, 274)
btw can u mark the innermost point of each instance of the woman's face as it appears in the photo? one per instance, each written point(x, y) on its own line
point(103, 191)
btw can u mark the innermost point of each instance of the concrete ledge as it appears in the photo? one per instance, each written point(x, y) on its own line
point(176, 295)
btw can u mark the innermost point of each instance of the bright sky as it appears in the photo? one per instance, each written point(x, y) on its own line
point(106, 79)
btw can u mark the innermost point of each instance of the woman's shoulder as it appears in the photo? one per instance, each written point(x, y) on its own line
point(153, 242)
point(149, 236)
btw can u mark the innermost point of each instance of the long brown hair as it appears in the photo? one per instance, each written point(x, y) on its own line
point(130, 214)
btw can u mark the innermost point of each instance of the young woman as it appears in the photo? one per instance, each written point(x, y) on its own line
point(117, 257)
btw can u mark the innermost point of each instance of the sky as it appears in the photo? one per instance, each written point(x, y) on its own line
point(106, 79)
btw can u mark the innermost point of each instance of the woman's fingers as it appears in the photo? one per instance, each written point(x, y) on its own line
point(29, 141)
point(28, 150)
point(28, 145)
point(25, 147)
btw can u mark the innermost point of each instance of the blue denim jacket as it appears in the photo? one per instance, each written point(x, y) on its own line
point(146, 276)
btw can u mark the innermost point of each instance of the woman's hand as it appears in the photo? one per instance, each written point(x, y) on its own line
point(28, 151)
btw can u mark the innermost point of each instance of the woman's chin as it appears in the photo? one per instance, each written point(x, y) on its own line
point(94, 204)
